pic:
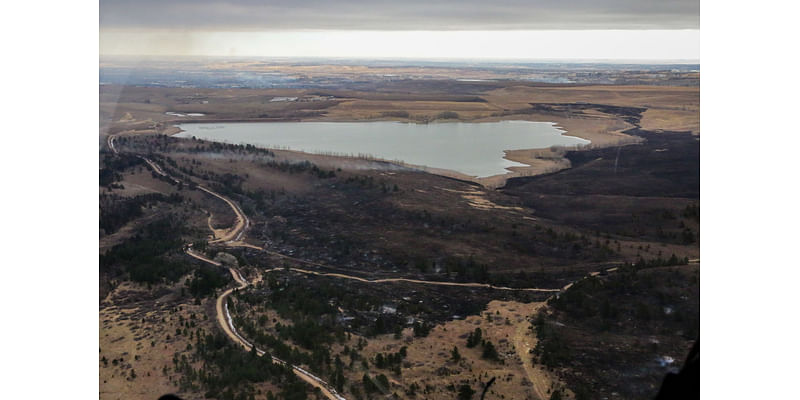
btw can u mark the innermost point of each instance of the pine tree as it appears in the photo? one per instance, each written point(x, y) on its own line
point(455, 354)
point(474, 338)
point(489, 351)
point(465, 392)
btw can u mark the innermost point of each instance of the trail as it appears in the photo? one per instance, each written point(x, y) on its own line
point(383, 280)
point(523, 345)
point(421, 282)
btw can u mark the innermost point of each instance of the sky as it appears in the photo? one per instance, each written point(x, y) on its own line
point(471, 29)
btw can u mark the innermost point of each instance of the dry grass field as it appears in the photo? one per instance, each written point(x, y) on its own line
point(669, 108)
point(138, 340)
point(430, 363)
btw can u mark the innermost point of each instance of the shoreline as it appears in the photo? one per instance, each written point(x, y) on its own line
point(600, 132)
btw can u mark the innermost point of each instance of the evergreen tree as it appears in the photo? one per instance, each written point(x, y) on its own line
point(465, 392)
point(456, 356)
point(474, 338)
point(489, 351)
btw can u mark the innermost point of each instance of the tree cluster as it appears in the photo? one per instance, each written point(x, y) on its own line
point(475, 338)
point(391, 360)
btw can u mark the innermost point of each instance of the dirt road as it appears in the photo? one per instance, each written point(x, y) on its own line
point(384, 280)
point(523, 344)
point(226, 323)
point(110, 142)
point(203, 258)
point(421, 282)
point(234, 233)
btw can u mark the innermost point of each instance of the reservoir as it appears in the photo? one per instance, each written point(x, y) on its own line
point(474, 149)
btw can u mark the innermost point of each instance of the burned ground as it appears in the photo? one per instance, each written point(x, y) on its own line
point(623, 332)
point(375, 222)
point(648, 191)
point(666, 164)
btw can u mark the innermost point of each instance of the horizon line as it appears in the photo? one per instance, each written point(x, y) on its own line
point(575, 60)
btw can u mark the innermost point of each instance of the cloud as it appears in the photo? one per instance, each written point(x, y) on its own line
point(534, 44)
point(253, 15)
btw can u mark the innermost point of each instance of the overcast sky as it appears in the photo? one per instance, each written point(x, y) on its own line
point(440, 28)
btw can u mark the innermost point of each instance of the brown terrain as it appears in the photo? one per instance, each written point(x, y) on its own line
point(130, 110)
point(367, 246)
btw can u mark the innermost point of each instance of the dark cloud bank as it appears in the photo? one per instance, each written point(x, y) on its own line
point(246, 15)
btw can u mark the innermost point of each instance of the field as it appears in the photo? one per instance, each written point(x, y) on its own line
point(582, 110)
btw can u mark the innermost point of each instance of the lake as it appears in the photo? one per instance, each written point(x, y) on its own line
point(474, 149)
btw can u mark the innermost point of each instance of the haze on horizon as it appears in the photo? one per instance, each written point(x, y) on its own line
point(471, 29)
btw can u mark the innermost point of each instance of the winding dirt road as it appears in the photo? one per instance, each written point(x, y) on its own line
point(223, 315)
point(226, 323)
point(234, 233)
